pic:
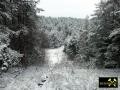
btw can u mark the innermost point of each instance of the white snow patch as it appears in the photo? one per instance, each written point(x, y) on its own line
point(54, 56)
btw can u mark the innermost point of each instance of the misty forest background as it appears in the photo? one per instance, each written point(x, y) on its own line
point(89, 42)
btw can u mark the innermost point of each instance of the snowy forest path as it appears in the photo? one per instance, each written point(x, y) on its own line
point(57, 74)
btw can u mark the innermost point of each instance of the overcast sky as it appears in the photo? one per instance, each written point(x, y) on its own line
point(68, 8)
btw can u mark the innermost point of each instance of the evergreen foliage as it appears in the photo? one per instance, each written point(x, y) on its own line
point(18, 32)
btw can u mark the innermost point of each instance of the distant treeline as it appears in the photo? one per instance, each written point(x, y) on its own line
point(58, 30)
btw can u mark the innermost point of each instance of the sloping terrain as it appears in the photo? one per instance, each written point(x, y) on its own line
point(56, 74)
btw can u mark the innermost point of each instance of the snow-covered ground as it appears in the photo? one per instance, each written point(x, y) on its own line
point(54, 56)
point(57, 74)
